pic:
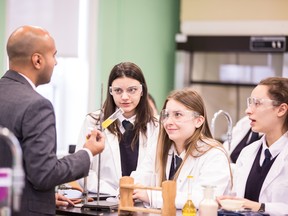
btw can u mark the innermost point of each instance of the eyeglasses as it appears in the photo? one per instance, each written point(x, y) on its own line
point(256, 102)
point(177, 116)
point(131, 91)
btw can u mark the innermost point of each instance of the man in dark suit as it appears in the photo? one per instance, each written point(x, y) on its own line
point(30, 116)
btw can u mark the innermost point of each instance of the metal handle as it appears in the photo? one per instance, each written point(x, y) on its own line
point(17, 169)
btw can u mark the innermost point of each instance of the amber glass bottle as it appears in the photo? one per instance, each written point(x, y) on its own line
point(189, 208)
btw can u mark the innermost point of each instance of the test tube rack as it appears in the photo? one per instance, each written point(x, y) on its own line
point(126, 203)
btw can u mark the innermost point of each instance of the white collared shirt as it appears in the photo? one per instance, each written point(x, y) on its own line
point(182, 155)
point(122, 118)
point(274, 149)
point(30, 82)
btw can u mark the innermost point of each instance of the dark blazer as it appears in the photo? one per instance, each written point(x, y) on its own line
point(31, 118)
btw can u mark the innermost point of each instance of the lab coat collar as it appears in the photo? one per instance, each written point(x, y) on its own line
point(122, 118)
point(169, 160)
point(186, 168)
point(280, 161)
point(246, 163)
point(114, 145)
point(276, 168)
point(277, 146)
point(248, 160)
point(174, 152)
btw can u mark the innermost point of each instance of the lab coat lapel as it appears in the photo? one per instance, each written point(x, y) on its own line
point(185, 171)
point(142, 147)
point(238, 138)
point(169, 160)
point(246, 162)
point(276, 169)
point(114, 146)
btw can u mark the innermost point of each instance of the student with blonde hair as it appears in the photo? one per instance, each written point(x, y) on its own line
point(185, 147)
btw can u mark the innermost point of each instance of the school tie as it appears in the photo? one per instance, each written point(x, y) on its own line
point(178, 162)
point(127, 125)
point(129, 156)
point(128, 134)
point(267, 157)
point(175, 164)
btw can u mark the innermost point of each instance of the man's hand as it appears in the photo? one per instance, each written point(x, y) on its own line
point(95, 142)
point(61, 200)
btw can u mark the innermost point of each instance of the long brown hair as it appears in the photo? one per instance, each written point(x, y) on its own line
point(193, 101)
point(144, 113)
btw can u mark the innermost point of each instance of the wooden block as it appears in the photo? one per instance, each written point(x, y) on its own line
point(126, 201)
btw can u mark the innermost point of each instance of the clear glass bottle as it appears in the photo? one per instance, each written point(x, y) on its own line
point(208, 206)
point(189, 208)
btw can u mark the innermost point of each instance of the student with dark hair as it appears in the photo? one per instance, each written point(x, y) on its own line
point(127, 138)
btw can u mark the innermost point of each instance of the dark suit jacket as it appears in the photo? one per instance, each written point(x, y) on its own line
point(31, 118)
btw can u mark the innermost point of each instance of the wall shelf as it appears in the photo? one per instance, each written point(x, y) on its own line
point(218, 44)
point(223, 83)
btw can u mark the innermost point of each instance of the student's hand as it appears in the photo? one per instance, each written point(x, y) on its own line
point(141, 195)
point(95, 142)
point(254, 206)
point(61, 200)
point(225, 197)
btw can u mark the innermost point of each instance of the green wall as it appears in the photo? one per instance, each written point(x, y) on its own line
point(2, 37)
point(140, 31)
point(143, 32)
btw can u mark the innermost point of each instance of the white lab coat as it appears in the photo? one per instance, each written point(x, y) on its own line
point(110, 164)
point(274, 191)
point(212, 168)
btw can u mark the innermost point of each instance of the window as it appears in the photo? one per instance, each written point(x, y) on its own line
point(67, 22)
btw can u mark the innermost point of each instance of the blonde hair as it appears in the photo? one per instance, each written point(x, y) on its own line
point(193, 101)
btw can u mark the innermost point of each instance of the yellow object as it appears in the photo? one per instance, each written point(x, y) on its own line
point(75, 185)
point(189, 208)
point(112, 118)
point(107, 122)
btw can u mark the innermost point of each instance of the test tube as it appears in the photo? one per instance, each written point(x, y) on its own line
point(112, 118)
